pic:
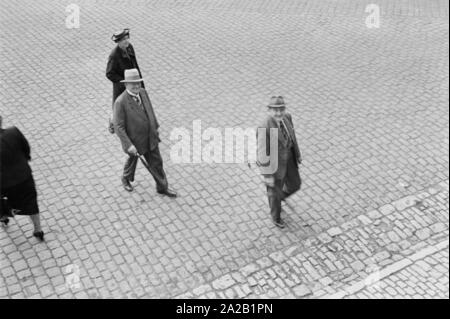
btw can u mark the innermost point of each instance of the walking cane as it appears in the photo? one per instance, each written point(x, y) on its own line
point(147, 166)
point(144, 161)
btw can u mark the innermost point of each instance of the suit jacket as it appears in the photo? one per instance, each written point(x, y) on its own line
point(133, 126)
point(276, 168)
point(15, 154)
point(118, 62)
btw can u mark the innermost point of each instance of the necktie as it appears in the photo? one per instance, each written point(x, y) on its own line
point(284, 131)
point(137, 99)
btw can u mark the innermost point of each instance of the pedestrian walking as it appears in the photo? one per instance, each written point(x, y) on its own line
point(283, 180)
point(121, 58)
point(17, 188)
point(136, 126)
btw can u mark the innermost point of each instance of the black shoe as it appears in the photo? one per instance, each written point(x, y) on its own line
point(279, 223)
point(168, 193)
point(39, 235)
point(126, 185)
point(5, 221)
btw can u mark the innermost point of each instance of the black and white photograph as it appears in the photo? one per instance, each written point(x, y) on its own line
point(241, 151)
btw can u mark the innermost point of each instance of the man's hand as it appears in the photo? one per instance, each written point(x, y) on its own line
point(111, 126)
point(157, 134)
point(132, 150)
point(270, 181)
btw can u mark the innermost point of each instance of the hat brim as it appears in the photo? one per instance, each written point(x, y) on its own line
point(276, 105)
point(117, 38)
point(132, 81)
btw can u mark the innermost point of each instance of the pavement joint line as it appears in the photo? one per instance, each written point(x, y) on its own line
point(375, 277)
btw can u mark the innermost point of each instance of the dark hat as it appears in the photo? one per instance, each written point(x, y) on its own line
point(116, 37)
point(276, 101)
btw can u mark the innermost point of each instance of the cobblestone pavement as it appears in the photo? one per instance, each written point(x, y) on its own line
point(371, 111)
point(363, 253)
point(427, 278)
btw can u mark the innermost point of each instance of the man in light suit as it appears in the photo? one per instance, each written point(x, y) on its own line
point(136, 126)
point(284, 179)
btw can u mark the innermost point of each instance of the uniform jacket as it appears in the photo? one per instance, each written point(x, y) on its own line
point(132, 125)
point(14, 157)
point(118, 62)
point(279, 166)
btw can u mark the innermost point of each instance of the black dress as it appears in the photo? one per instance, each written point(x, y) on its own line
point(17, 183)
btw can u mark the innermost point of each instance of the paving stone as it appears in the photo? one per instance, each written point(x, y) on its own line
point(278, 257)
point(374, 214)
point(325, 238)
point(393, 236)
point(239, 277)
point(325, 281)
point(223, 282)
point(249, 269)
point(404, 203)
point(365, 220)
point(335, 231)
point(438, 227)
point(423, 233)
point(358, 265)
point(382, 256)
point(203, 289)
point(387, 209)
point(302, 291)
point(264, 262)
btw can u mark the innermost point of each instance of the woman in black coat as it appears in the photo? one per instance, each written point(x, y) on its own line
point(121, 58)
point(17, 183)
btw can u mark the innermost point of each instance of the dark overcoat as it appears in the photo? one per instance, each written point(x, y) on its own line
point(279, 166)
point(118, 61)
point(14, 157)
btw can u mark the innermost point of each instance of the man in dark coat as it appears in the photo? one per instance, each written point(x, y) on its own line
point(136, 125)
point(17, 183)
point(279, 166)
point(121, 58)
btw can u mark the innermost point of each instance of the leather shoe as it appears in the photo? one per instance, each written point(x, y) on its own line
point(126, 185)
point(5, 221)
point(168, 193)
point(39, 235)
point(279, 223)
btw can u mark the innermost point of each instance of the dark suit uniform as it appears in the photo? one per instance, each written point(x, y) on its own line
point(137, 125)
point(286, 176)
point(17, 183)
point(118, 61)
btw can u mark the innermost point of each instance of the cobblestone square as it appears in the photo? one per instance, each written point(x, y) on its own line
point(370, 108)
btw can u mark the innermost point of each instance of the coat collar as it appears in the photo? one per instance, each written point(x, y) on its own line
point(273, 123)
point(124, 53)
point(133, 105)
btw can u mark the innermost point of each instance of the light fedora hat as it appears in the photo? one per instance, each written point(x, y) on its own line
point(132, 75)
point(276, 101)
